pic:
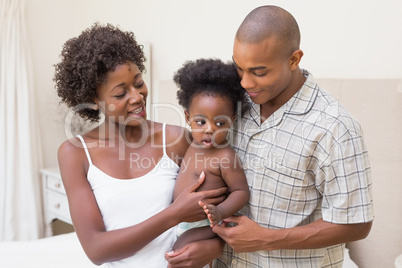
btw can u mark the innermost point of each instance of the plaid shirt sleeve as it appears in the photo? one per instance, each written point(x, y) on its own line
point(344, 174)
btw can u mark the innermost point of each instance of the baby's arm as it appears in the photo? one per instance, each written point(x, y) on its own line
point(235, 179)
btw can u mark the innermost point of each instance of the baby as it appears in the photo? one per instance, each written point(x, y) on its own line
point(211, 94)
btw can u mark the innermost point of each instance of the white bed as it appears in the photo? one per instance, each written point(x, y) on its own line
point(52, 252)
point(60, 251)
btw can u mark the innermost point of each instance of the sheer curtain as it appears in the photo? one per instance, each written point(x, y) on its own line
point(20, 207)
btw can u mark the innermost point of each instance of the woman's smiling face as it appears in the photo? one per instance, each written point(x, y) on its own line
point(122, 96)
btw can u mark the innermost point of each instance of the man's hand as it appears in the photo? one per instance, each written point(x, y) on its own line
point(246, 236)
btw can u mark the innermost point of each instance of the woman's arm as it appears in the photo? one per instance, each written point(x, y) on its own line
point(101, 246)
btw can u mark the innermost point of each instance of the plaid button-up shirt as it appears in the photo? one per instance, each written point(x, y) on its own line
point(306, 161)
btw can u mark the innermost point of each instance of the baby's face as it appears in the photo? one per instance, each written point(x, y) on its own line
point(210, 119)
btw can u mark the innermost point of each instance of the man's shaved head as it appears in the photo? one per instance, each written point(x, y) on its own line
point(267, 22)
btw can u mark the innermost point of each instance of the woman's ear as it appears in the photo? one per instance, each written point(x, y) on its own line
point(295, 59)
point(95, 105)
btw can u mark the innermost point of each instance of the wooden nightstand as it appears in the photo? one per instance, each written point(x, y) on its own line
point(54, 196)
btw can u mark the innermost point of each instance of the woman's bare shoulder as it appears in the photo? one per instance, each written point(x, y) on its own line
point(177, 134)
point(75, 145)
point(175, 131)
point(178, 140)
point(71, 157)
point(71, 146)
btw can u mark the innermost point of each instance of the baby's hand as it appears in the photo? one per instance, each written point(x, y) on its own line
point(213, 212)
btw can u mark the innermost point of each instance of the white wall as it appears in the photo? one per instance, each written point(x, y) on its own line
point(50, 24)
point(341, 39)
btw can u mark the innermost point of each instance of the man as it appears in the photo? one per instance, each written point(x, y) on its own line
point(304, 157)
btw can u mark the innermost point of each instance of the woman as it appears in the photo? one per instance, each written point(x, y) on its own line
point(119, 177)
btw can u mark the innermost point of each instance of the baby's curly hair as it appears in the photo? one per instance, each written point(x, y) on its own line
point(211, 77)
point(86, 59)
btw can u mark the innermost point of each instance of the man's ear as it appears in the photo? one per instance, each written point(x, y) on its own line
point(295, 59)
point(187, 115)
point(234, 117)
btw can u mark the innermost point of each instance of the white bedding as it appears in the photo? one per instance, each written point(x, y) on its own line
point(59, 252)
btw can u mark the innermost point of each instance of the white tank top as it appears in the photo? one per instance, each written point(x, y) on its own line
point(126, 202)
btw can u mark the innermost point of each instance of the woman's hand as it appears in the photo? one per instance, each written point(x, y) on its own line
point(196, 254)
point(186, 204)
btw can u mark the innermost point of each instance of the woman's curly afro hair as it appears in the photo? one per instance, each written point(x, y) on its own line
point(86, 59)
point(211, 77)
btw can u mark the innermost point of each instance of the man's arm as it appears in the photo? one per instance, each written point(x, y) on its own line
point(248, 236)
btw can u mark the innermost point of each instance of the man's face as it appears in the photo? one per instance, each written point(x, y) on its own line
point(264, 70)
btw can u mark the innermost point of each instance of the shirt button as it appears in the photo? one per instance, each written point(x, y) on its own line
point(234, 261)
